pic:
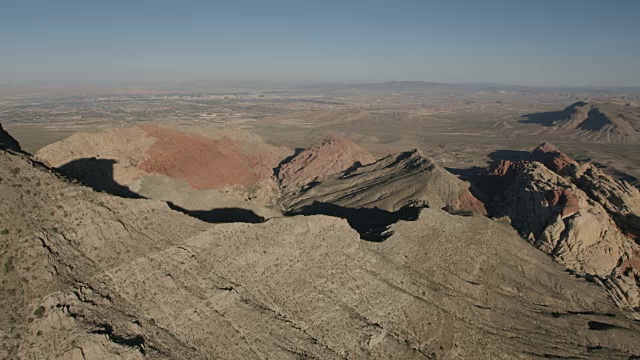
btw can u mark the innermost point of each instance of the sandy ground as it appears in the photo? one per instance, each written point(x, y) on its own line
point(34, 137)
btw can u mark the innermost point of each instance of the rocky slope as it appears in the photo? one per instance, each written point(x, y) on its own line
point(201, 172)
point(391, 183)
point(607, 122)
point(88, 275)
point(583, 218)
point(211, 160)
point(329, 155)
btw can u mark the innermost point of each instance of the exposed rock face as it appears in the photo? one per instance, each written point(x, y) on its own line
point(56, 235)
point(586, 220)
point(574, 115)
point(88, 275)
point(619, 198)
point(329, 155)
point(203, 162)
point(392, 183)
point(7, 141)
point(551, 157)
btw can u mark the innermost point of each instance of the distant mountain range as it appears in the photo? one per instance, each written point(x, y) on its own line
point(217, 86)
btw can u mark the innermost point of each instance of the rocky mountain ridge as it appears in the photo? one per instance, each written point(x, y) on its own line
point(91, 275)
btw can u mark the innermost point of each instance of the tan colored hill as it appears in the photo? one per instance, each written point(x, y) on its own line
point(328, 155)
point(607, 122)
point(394, 182)
point(205, 162)
point(216, 163)
point(583, 218)
point(90, 276)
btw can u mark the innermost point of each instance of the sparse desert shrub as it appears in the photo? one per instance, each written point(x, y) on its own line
point(39, 312)
point(8, 265)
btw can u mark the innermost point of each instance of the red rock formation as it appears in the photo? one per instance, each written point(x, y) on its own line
point(468, 202)
point(564, 199)
point(500, 169)
point(329, 155)
point(203, 162)
point(551, 157)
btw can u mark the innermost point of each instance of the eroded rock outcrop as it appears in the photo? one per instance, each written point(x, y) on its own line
point(551, 157)
point(392, 183)
point(574, 212)
point(618, 197)
point(329, 155)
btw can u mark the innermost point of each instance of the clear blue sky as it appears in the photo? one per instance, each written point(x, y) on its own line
point(561, 42)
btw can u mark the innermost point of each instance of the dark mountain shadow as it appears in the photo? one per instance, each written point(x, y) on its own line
point(220, 215)
point(345, 174)
point(371, 224)
point(618, 174)
point(8, 142)
point(549, 118)
point(511, 155)
point(485, 188)
point(466, 173)
point(276, 170)
point(546, 119)
point(96, 174)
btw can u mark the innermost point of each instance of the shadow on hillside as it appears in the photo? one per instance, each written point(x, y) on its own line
point(466, 173)
point(544, 118)
point(96, 174)
point(276, 170)
point(371, 224)
point(511, 155)
point(620, 175)
point(471, 173)
point(549, 118)
point(484, 187)
point(220, 215)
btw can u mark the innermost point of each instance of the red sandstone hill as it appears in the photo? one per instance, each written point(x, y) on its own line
point(206, 160)
point(328, 155)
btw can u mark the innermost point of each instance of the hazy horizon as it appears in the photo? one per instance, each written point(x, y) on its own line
point(567, 43)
